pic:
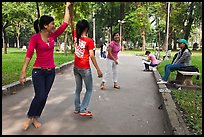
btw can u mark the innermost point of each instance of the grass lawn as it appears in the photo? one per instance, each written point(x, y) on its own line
point(189, 102)
point(12, 63)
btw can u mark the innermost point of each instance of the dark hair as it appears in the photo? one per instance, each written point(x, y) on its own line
point(147, 52)
point(114, 35)
point(183, 49)
point(44, 20)
point(80, 27)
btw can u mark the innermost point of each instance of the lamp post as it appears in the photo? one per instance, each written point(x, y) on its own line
point(167, 29)
point(121, 23)
point(94, 24)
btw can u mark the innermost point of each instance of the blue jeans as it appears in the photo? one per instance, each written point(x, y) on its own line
point(151, 64)
point(86, 75)
point(169, 68)
point(42, 82)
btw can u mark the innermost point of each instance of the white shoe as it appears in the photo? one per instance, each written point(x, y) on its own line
point(162, 82)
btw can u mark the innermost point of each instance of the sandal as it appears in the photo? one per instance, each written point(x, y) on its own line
point(88, 113)
point(116, 86)
point(102, 86)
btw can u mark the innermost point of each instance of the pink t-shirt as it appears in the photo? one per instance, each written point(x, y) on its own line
point(44, 51)
point(153, 58)
point(115, 49)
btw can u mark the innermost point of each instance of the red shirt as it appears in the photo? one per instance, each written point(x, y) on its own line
point(81, 53)
point(44, 51)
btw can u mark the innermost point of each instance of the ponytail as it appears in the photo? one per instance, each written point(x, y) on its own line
point(36, 26)
point(80, 27)
point(78, 35)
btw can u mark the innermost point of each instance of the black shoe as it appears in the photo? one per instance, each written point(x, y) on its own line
point(146, 70)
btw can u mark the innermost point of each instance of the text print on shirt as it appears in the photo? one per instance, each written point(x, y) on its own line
point(80, 49)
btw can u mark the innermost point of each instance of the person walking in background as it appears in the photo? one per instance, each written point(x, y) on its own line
point(112, 61)
point(84, 48)
point(43, 72)
point(150, 61)
point(104, 50)
point(182, 59)
point(101, 50)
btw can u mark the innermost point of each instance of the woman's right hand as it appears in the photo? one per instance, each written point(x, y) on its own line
point(100, 75)
point(67, 4)
point(116, 62)
point(22, 78)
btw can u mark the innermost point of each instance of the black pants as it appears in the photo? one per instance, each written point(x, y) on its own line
point(42, 81)
point(147, 65)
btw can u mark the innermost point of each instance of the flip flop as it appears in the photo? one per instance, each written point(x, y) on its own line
point(116, 86)
point(102, 87)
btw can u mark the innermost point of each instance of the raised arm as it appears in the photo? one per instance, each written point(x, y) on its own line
point(67, 14)
point(62, 28)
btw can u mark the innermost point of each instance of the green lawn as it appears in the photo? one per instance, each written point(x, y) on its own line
point(13, 61)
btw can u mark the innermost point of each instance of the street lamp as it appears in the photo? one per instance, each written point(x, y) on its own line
point(94, 26)
point(167, 30)
point(121, 22)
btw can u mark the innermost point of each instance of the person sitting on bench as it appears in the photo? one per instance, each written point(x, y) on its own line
point(150, 61)
point(182, 59)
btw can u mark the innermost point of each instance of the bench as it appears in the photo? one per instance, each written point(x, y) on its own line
point(185, 77)
point(24, 48)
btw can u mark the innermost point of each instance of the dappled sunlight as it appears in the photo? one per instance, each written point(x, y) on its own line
point(13, 126)
point(23, 103)
point(57, 100)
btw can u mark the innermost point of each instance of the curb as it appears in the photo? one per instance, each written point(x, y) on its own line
point(12, 88)
point(173, 117)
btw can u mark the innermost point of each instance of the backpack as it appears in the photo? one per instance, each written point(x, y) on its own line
point(190, 69)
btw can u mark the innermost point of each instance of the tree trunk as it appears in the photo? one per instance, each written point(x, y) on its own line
point(4, 41)
point(18, 27)
point(143, 38)
point(65, 43)
point(18, 41)
point(190, 22)
point(174, 46)
point(72, 12)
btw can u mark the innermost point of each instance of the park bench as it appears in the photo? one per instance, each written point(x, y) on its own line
point(167, 56)
point(185, 77)
point(24, 48)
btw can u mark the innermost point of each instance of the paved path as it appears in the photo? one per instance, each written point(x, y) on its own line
point(132, 110)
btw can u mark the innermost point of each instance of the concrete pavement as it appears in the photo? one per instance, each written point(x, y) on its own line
point(131, 110)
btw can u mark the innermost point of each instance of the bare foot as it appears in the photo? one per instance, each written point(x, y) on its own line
point(27, 123)
point(36, 123)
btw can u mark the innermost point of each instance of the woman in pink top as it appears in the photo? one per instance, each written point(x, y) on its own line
point(112, 61)
point(150, 61)
point(43, 72)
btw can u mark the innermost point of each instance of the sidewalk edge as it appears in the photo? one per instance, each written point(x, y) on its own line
point(12, 88)
point(174, 118)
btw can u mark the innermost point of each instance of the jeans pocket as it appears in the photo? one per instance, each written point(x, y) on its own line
point(87, 73)
point(35, 73)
